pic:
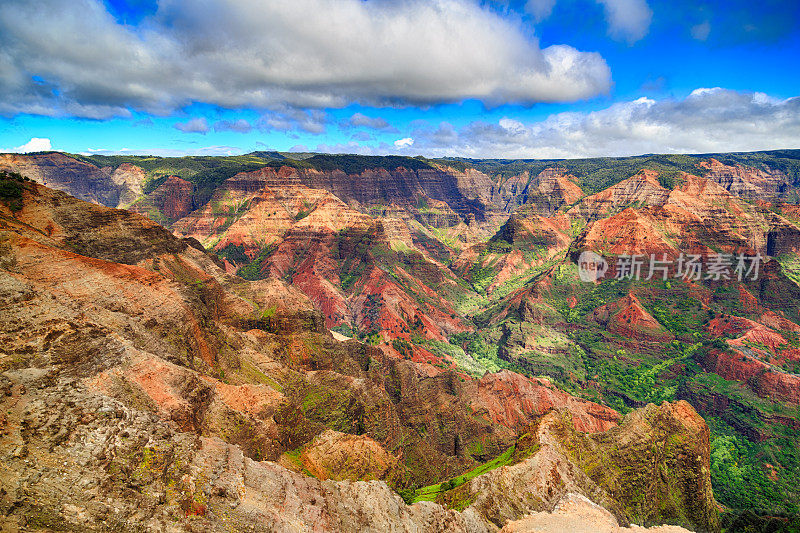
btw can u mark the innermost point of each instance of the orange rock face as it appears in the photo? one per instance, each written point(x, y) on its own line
point(698, 216)
point(334, 455)
point(627, 317)
point(556, 188)
point(627, 233)
point(740, 180)
point(643, 188)
point(168, 202)
point(762, 377)
point(516, 401)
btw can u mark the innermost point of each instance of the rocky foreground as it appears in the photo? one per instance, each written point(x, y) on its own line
point(144, 388)
point(577, 514)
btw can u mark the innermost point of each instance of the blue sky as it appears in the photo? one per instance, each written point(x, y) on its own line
point(534, 78)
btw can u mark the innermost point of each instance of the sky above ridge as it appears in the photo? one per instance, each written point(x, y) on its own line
point(495, 78)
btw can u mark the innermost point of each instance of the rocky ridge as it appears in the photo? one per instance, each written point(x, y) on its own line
point(165, 389)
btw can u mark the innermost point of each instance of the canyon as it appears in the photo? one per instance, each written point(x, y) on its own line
point(387, 343)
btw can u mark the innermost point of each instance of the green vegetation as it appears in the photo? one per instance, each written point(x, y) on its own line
point(475, 345)
point(595, 174)
point(269, 312)
point(485, 268)
point(752, 475)
point(431, 492)
point(739, 451)
point(11, 186)
point(587, 297)
point(356, 164)
point(456, 354)
point(404, 348)
point(235, 253)
point(790, 264)
point(254, 270)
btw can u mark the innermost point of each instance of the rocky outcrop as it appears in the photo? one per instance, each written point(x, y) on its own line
point(535, 231)
point(620, 469)
point(169, 202)
point(627, 233)
point(512, 191)
point(578, 514)
point(516, 401)
point(467, 193)
point(765, 379)
point(117, 187)
point(671, 439)
point(129, 180)
point(698, 217)
point(557, 188)
point(97, 461)
point(338, 456)
point(743, 181)
point(641, 189)
point(628, 318)
point(112, 465)
point(257, 209)
point(525, 242)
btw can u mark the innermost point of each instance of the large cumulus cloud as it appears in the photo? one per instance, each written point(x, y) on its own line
point(71, 57)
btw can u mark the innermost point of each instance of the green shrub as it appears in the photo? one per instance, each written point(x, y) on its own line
point(11, 189)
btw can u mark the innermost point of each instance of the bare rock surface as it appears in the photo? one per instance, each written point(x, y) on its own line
point(577, 514)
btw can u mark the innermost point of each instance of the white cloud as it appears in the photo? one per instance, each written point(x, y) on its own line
point(404, 143)
point(627, 19)
point(701, 31)
point(707, 120)
point(36, 144)
point(362, 120)
point(167, 152)
point(512, 126)
point(240, 125)
point(540, 9)
point(70, 57)
point(311, 121)
point(194, 125)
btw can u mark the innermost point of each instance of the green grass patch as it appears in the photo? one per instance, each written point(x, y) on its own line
point(431, 492)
